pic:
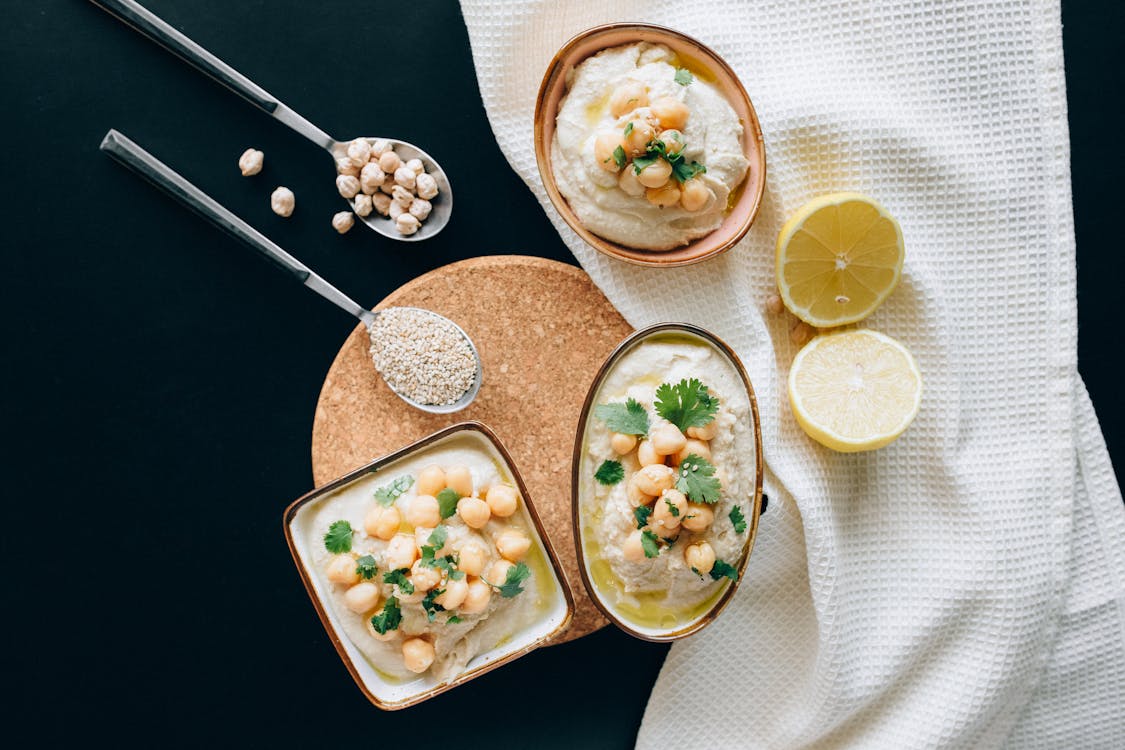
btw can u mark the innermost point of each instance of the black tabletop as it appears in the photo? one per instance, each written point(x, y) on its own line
point(160, 381)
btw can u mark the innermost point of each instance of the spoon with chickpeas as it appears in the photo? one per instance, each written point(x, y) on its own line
point(395, 187)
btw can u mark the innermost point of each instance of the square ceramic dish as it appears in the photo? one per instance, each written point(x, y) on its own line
point(553, 610)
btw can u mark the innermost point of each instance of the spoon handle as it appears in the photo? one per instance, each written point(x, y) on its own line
point(164, 177)
point(155, 28)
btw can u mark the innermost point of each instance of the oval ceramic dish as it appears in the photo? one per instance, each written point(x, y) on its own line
point(623, 608)
point(553, 610)
point(697, 57)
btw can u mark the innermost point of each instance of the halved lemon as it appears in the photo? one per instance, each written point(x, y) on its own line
point(854, 390)
point(838, 258)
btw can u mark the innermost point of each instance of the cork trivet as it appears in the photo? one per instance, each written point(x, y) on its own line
point(542, 329)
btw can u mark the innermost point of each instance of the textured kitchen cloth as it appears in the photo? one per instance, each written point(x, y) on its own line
point(962, 587)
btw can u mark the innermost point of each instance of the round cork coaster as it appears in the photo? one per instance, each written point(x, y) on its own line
point(542, 329)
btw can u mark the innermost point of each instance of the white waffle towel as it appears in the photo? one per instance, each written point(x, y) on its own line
point(965, 586)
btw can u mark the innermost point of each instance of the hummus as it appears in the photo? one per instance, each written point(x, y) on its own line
point(711, 137)
point(454, 644)
point(662, 590)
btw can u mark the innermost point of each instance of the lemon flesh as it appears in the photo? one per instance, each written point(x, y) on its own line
point(854, 390)
point(838, 258)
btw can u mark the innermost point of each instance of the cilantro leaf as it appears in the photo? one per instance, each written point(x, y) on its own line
point(437, 537)
point(365, 567)
point(683, 76)
point(389, 618)
point(387, 494)
point(641, 162)
point(686, 404)
point(609, 473)
point(339, 537)
point(431, 606)
point(447, 501)
point(672, 508)
point(628, 129)
point(516, 575)
point(737, 519)
point(641, 514)
point(629, 418)
point(650, 543)
point(619, 157)
point(723, 570)
point(683, 171)
point(398, 578)
point(697, 480)
point(453, 620)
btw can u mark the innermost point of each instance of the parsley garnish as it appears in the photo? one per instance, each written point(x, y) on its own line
point(672, 508)
point(697, 480)
point(365, 567)
point(447, 502)
point(453, 620)
point(723, 570)
point(650, 543)
point(609, 473)
point(641, 162)
point(686, 404)
point(398, 578)
point(737, 519)
point(641, 514)
point(629, 418)
point(619, 157)
point(437, 537)
point(387, 494)
point(683, 171)
point(516, 575)
point(629, 128)
point(432, 607)
point(389, 618)
point(339, 537)
point(683, 76)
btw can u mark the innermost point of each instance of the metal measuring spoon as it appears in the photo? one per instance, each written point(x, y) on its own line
point(164, 177)
point(156, 29)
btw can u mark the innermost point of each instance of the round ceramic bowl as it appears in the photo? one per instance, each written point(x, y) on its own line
point(696, 56)
point(637, 608)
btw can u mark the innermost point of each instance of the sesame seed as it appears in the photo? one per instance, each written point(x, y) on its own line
point(422, 356)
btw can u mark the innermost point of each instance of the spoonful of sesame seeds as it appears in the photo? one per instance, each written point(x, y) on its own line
point(426, 359)
point(395, 187)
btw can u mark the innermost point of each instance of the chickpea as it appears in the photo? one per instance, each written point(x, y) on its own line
point(427, 186)
point(344, 166)
point(667, 439)
point(636, 143)
point(647, 455)
point(497, 572)
point(389, 162)
point(381, 203)
point(371, 520)
point(663, 512)
point(416, 166)
point(359, 152)
point(250, 163)
point(423, 510)
point(695, 194)
point(706, 432)
point(632, 549)
point(341, 569)
point(673, 141)
point(476, 600)
point(473, 511)
point(370, 178)
point(666, 196)
point(502, 500)
point(700, 557)
point(395, 210)
point(380, 147)
point(431, 480)
point(282, 201)
point(512, 544)
point(407, 224)
point(664, 530)
point(655, 174)
point(388, 186)
point(420, 209)
point(654, 479)
point(634, 494)
point(472, 558)
point(402, 196)
point(672, 113)
point(604, 146)
point(405, 176)
point(347, 185)
point(801, 333)
point(390, 635)
point(362, 205)
point(774, 305)
point(389, 523)
point(627, 181)
point(622, 443)
point(454, 595)
point(417, 654)
point(460, 479)
point(698, 517)
point(343, 221)
point(362, 597)
point(401, 552)
point(698, 447)
point(424, 578)
point(627, 97)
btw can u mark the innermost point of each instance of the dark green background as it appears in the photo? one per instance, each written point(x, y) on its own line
point(160, 382)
